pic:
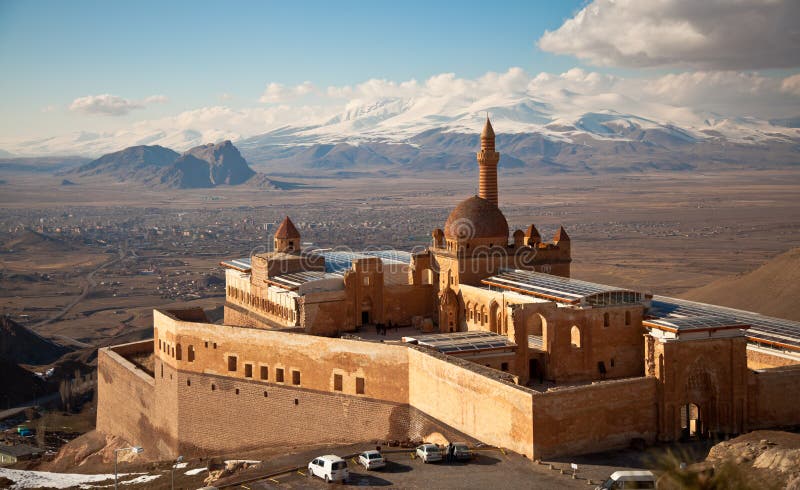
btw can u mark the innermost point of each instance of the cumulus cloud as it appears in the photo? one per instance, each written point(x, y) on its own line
point(112, 105)
point(708, 34)
point(277, 92)
point(156, 99)
point(791, 85)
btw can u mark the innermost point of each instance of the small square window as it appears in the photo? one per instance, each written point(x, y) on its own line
point(264, 372)
point(295, 377)
point(279, 375)
point(337, 382)
point(248, 370)
point(359, 386)
point(504, 366)
point(215, 345)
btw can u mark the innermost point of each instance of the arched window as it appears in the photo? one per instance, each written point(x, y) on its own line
point(606, 320)
point(190, 353)
point(178, 352)
point(575, 337)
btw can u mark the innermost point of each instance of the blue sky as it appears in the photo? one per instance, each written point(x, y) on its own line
point(161, 66)
point(53, 52)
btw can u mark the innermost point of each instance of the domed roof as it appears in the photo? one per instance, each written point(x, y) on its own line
point(476, 218)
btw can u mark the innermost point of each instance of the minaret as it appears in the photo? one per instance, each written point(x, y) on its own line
point(487, 163)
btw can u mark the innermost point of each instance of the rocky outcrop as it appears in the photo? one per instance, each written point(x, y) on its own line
point(201, 167)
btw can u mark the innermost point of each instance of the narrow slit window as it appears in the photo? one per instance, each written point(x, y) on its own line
point(359, 386)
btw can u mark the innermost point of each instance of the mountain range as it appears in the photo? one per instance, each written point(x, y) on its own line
point(394, 134)
point(204, 166)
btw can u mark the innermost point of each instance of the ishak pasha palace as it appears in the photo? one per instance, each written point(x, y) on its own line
point(489, 339)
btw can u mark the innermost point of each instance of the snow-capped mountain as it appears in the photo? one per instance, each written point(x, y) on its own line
point(440, 132)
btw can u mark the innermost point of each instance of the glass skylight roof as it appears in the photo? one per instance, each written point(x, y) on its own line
point(339, 260)
point(562, 289)
point(763, 329)
point(242, 264)
point(453, 343)
point(294, 280)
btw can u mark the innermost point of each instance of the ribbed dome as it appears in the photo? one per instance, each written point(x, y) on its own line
point(476, 218)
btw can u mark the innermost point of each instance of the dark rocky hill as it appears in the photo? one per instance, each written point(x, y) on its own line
point(200, 167)
point(19, 344)
point(225, 164)
point(135, 162)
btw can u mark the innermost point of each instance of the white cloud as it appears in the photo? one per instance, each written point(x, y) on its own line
point(107, 104)
point(112, 105)
point(277, 92)
point(791, 85)
point(707, 34)
point(156, 99)
point(402, 108)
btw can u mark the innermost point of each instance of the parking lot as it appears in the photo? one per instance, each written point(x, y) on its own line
point(492, 469)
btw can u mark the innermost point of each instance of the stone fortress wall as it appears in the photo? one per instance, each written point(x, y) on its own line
point(320, 389)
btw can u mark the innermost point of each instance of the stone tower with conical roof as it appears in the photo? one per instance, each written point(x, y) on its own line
point(287, 238)
point(487, 164)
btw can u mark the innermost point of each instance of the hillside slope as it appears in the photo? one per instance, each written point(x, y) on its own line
point(772, 289)
point(19, 344)
point(203, 166)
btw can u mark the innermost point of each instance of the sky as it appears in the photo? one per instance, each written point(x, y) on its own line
point(110, 66)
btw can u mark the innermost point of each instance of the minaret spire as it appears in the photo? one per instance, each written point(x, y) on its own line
point(487, 164)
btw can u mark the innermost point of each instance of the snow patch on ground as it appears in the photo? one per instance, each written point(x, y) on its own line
point(36, 479)
point(247, 461)
point(195, 471)
point(141, 479)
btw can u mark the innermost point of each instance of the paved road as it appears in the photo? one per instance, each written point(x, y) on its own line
point(89, 283)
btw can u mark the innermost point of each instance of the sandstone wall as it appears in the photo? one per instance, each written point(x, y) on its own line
point(402, 302)
point(594, 417)
point(773, 397)
point(326, 312)
point(485, 408)
point(240, 414)
point(763, 359)
point(316, 360)
point(128, 406)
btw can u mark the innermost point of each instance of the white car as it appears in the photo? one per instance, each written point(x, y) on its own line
point(429, 453)
point(371, 460)
point(629, 479)
point(329, 467)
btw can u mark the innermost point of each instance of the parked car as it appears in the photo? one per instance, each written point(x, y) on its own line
point(429, 453)
point(461, 452)
point(329, 467)
point(371, 460)
point(629, 479)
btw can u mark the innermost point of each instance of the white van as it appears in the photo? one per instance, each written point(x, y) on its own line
point(629, 479)
point(329, 467)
